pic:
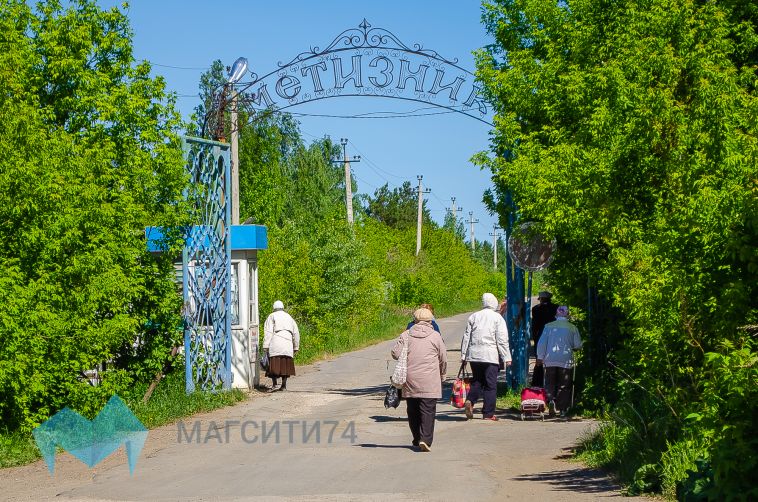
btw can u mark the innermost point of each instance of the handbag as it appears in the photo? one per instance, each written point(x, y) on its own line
point(392, 397)
point(461, 387)
point(400, 375)
point(264, 361)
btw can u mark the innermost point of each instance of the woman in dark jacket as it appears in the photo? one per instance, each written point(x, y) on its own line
point(429, 307)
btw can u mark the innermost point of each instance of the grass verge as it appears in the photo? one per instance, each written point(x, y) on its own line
point(17, 448)
point(168, 403)
point(507, 398)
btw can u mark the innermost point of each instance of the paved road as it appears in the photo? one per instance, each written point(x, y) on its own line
point(229, 458)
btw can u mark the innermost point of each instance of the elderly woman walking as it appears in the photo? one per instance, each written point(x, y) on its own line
point(484, 344)
point(281, 341)
point(427, 365)
point(555, 351)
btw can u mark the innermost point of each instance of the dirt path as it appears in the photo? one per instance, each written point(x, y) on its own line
point(234, 453)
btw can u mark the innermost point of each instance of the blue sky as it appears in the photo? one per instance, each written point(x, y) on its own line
point(189, 35)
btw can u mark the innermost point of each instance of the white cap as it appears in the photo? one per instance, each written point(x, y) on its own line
point(278, 305)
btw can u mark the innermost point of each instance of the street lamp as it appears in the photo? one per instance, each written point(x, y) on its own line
point(238, 71)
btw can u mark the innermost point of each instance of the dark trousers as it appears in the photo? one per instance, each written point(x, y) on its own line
point(538, 376)
point(484, 381)
point(421, 413)
point(558, 386)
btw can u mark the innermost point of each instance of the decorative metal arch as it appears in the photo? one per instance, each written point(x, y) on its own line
point(380, 65)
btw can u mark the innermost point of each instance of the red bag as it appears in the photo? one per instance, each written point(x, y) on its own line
point(533, 399)
point(461, 388)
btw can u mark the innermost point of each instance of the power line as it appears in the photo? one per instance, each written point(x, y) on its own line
point(176, 67)
point(371, 162)
point(404, 112)
point(410, 115)
point(364, 182)
point(440, 200)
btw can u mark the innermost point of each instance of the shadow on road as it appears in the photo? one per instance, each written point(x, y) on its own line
point(361, 391)
point(397, 446)
point(575, 480)
point(440, 417)
point(386, 418)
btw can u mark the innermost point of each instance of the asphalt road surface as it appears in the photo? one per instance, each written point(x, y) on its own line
point(329, 437)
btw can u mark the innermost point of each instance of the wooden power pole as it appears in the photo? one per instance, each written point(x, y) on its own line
point(495, 236)
point(471, 222)
point(348, 178)
point(235, 167)
point(421, 191)
point(454, 210)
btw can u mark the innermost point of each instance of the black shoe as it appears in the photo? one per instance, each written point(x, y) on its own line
point(414, 442)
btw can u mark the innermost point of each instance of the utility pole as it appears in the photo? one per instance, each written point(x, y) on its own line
point(471, 222)
point(495, 235)
point(421, 191)
point(454, 210)
point(235, 162)
point(348, 178)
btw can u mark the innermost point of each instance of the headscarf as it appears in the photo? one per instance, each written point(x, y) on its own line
point(489, 301)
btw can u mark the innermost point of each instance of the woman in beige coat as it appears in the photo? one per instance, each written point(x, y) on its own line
point(281, 341)
point(427, 365)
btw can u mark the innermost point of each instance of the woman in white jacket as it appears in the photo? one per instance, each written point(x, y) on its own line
point(484, 343)
point(281, 341)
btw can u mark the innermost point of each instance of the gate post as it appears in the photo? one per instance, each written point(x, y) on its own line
point(206, 263)
point(517, 313)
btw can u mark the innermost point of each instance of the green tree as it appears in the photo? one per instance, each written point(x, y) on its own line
point(398, 207)
point(89, 156)
point(455, 225)
point(268, 142)
point(629, 130)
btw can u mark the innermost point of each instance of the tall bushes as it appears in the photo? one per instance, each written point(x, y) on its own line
point(629, 129)
point(89, 156)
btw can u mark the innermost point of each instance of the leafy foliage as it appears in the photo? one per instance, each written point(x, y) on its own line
point(454, 224)
point(629, 130)
point(397, 208)
point(89, 156)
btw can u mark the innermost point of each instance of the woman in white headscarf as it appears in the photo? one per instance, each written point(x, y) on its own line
point(484, 342)
point(281, 341)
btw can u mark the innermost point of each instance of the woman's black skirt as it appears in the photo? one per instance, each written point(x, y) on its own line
point(279, 366)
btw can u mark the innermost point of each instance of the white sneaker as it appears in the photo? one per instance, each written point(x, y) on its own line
point(424, 446)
